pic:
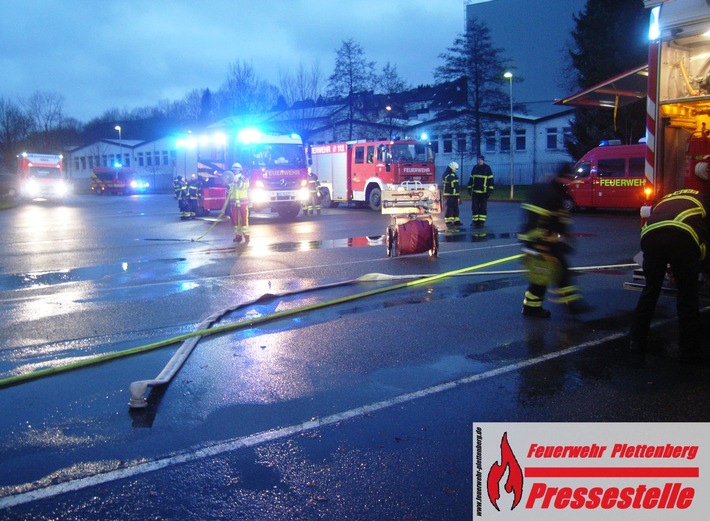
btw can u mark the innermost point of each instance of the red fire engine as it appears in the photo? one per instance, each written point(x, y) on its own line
point(41, 175)
point(358, 171)
point(676, 87)
point(275, 165)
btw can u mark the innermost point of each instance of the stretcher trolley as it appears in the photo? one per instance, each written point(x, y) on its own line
point(411, 228)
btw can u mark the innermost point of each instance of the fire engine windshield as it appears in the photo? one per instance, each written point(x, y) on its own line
point(43, 172)
point(418, 153)
point(279, 155)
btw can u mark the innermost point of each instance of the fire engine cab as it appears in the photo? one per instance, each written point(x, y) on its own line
point(41, 175)
point(358, 171)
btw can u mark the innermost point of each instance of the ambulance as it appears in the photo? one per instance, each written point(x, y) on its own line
point(611, 175)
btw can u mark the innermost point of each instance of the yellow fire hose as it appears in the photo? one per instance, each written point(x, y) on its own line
point(218, 219)
point(200, 332)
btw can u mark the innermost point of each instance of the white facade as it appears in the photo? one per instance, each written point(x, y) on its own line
point(154, 161)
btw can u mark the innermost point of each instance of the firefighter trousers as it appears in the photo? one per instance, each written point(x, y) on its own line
point(240, 217)
point(661, 248)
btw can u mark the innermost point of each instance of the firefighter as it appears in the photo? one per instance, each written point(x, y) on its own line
point(675, 234)
point(544, 228)
point(193, 191)
point(239, 204)
point(480, 186)
point(183, 203)
point(177, 186)
point(314, 194)
point(452, 196)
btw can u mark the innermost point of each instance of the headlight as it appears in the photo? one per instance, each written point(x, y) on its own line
point(303, 194)
point(31, 189)
point(62, 189)
point(134, 184)
point(258, 195)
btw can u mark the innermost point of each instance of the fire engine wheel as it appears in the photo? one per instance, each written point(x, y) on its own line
point(325, 200)
point(374, 199)
point(289, 212)
point(569, 205)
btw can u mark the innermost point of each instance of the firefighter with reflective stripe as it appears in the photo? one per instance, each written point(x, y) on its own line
point(314, 194)
point(177, 186)
point(480, 186)
point(239, 204)
point(675, 234)
point(546, 223)
point(193, 190)
point(183, 203)
point(452, 196)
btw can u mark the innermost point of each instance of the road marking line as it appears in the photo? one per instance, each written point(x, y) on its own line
point(259, 438)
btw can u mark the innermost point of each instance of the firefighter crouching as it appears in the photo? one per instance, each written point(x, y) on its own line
point(675, 234)
point(545, 225)
point(239, 203)
point(313, 193)
point(193, 192)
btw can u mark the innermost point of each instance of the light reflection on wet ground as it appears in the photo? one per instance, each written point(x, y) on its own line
point(121, 272)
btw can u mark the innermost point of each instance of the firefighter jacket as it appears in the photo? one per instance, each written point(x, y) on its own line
point(450, 183)
point(313, 184)
point(238, 188)
point(545, 221)
point(682, 210)
point(193, 189)
point(481, 180)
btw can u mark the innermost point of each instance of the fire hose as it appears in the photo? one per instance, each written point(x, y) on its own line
point(190, 340)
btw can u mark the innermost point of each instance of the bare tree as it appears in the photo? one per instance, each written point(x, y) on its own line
point(15, 127)
point(301, 85)
point(390, 82)
point(45, 109)
point(244, 93)
point(353, 73)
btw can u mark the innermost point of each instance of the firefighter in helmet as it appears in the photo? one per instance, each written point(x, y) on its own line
point(193, 191)
point(452, 196)
point(313, 193)
point(177, 186)
point(239, 203)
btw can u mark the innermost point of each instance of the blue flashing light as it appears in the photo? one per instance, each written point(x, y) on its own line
point(117, 165)
point(425, 136)
point(249, 135)
point(654, 28)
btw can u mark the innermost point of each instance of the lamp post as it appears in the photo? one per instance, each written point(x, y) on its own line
point(509, 75)
point(120, 144)
point(389, 115)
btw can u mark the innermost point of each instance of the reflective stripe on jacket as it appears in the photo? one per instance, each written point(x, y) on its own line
point(682, 210)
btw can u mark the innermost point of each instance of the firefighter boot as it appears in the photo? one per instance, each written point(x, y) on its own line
point(246, 239)
point(238, 238)
point(535, 312)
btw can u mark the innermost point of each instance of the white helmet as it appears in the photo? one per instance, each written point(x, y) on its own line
point(235, 167)
point(454, 166)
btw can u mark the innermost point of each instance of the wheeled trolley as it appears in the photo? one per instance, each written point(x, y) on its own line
point(412, 229)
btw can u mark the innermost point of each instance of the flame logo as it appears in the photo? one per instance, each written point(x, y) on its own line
point(514, 483)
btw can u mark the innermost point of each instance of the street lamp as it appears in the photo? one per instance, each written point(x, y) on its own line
point(120, 144)
point(509, 75)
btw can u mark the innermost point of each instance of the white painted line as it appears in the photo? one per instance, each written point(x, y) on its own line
point(199, 453)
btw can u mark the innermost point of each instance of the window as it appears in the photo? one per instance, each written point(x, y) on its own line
point(610, 167)
point(127, 161)
point(359, 155)
point(552, 138)
point(448, 144)
point(637, 167)
point(490, 141)
point(505, 140)
point(148, 159)
point(582, 170)
point(461, 143)
point(520, 141)
point(371, 153)
point(165, 158)
point(76, 163)
point(567, 135)
point(435, 144)
point(140, 159)
point(156, 158)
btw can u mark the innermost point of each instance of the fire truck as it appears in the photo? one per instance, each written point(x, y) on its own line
point(41, 175)
point(275, 165)
point(116, 180)
point(358, 171)
point(676, 87)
